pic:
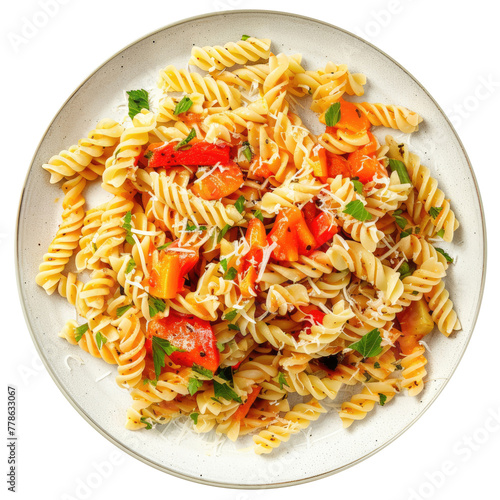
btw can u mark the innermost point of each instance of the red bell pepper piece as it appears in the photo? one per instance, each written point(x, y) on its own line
point(243, 409)
point(222, 182)
point(200, 153)
point(189, 333)
point(323, 228)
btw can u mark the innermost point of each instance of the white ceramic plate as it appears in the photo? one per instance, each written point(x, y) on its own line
point(325, 448)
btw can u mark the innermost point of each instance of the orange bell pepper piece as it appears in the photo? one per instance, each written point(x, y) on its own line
point(243, 409)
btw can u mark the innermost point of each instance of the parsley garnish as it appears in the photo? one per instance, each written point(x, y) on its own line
point(446, 256)
point(223, 264)
point(358, 185)
point(440, 233)
point(166, 245)
point(282, 380)
point(234, 327)
point(80, 330)
point(122, 310)
point(183, 105)
point(184, 144)
point(230, 274)
point(191, 227)
point(240, 204)
point(382, 399)
point(194, 418)
point(406, 269)
point(226, 374)
point(400, 168)
point(367, 376)
point(369, 344)
point(148, 154)
point(130, 265)
point(357, 210)
point(155, 306)
point(193, 385)
point(258, 215)
point(229, 316)
point(127, 225)
point(137, 100)
point(404, 234)
point(247, 151)
point(332, 115)
point(400, 221)
point(399, 367)
point(202, 371)
point(148, 381)
point(225, 392)
point(148, 424)
point(245, 37)
point(220, 346)
point(160, 348)
point(223, 232)
point(376, 365)
point(100, 340)
point(434, 211)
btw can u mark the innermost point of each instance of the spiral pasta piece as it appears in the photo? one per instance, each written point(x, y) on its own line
point(441, 306)
point(397, 117)
point(414, 371)
point(122, 165)
point(180, 80)
point(66, 240)
point(361, 404)
point(297, 419)
point(429, 195)
point(79, 157)
point(351, 255)
point(218, 57)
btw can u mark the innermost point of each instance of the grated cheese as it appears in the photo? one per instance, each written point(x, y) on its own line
point(266, 255)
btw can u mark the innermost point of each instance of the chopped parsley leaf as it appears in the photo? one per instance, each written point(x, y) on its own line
point(369, 344)
point(130, 265)
point(183, 105)
point(240, 204)
point(333, 115)
point(127, 225)
point(80, 330)
point(446, 256)
point(100, 340)
point(357, 210)
point(434, 211)
point(160, 348)
point(137, 100)
point(122, 310)
point(184, 144)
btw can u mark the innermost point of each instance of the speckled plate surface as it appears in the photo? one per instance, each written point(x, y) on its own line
point(325, 448)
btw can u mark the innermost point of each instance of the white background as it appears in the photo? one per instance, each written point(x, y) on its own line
point(451, 47)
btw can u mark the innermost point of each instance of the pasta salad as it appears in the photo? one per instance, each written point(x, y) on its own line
point(242, 261)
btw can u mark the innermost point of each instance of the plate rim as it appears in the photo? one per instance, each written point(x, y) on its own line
point(75, 404)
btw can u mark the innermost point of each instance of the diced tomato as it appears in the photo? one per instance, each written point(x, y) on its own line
point(256, 234)
point(310, 211)
point(320, 164)
point(314, 317)
point(323, 228)
point(351, 118)
point(200, 153)
point(291, 234)
point(365, 167)
point(337, 165)
point(167, 276)
point(222, 182)
point(189, 333)
point(191, 118)
point(306, 240)
point(284, 235)
point(371, 147)
point(256, 238)
point(243, 409)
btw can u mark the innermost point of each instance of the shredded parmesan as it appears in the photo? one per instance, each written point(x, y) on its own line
point(76, 358)
point(266, 255)
point(102, 377)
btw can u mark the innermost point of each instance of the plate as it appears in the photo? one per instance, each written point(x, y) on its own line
point(325, 448)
